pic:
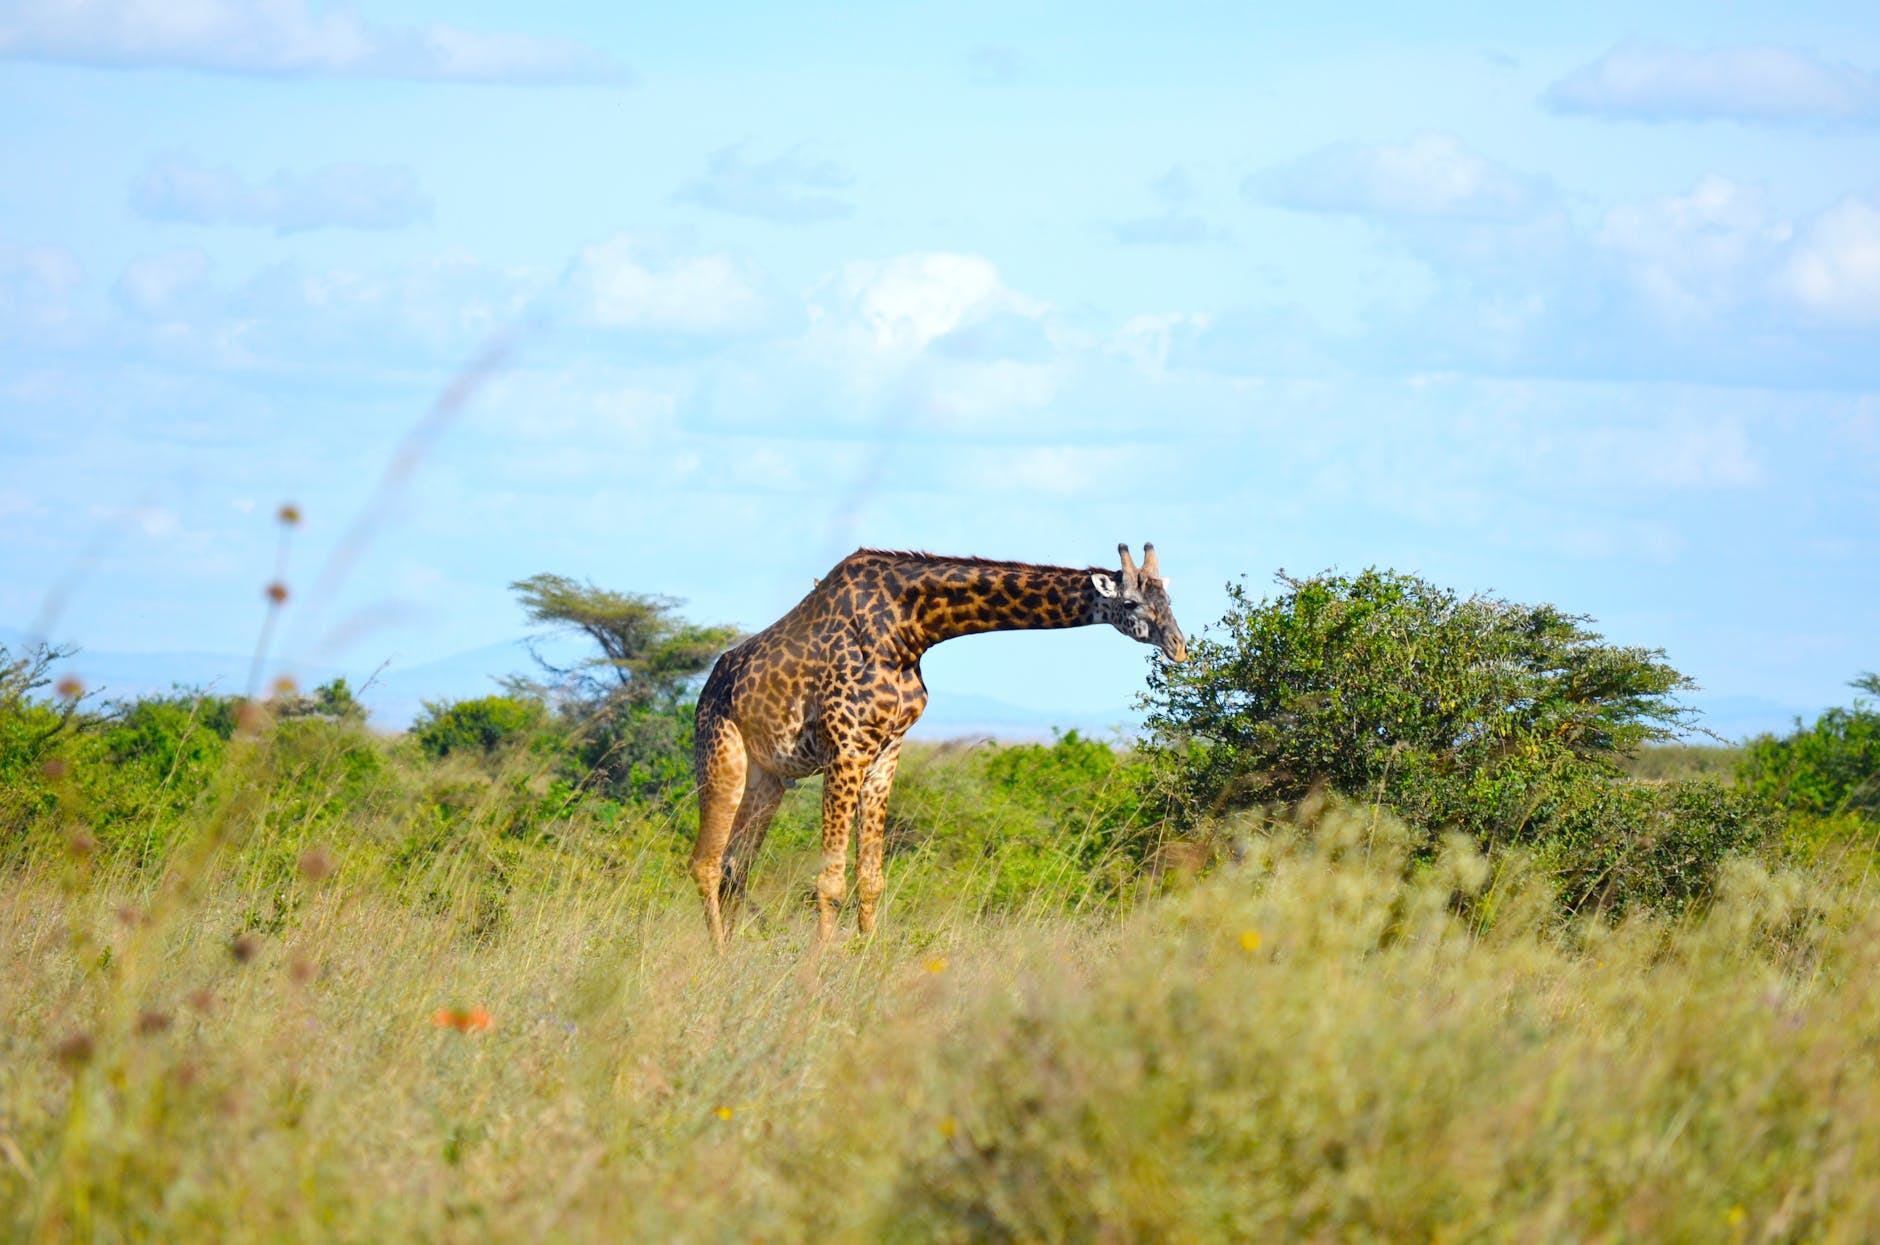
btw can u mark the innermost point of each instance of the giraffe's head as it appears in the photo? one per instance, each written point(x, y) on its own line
point(1136, 604)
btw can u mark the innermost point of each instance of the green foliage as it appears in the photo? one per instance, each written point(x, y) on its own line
point(1679, 762)
point(1829, 768)
point(334, 700)
point(1024, 827)
point(480, 726)
point(1506, 721)
point(1349, 680)
point(649, 652)
point(635, 751)
point(29, 726)
point(1621, 845)
point(629, 710)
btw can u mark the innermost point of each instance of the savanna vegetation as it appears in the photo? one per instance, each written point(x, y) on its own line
point(1410, 918)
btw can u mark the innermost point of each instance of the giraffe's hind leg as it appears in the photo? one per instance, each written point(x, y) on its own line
point(874, 819)
point(721, 765)
point(763, 792)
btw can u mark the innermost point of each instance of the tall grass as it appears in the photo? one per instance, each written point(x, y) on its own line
point(288, 1025)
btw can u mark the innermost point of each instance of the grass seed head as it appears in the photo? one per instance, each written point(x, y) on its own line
point(76, 1049)
point(251, 719)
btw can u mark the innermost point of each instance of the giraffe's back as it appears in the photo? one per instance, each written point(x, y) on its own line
point(824, 677)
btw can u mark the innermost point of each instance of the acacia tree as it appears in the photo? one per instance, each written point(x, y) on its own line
point(649, 653)
point(1506, 721)
point(632, 703)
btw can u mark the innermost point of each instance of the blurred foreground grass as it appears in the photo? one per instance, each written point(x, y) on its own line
point(518, 1033)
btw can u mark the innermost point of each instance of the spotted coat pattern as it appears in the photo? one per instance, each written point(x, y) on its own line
point(832, 687)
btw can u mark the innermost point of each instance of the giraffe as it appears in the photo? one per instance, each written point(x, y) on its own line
point(833, 685)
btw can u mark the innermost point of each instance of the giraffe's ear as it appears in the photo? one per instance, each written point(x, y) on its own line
point(1106, 586)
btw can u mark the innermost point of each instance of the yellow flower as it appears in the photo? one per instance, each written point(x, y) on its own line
point(724, 1113)
point(1735, 1216)
point(937, 965)
point(948, 1127)
point(1250, 940)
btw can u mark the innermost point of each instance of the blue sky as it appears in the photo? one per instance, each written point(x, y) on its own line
point(1570, 306)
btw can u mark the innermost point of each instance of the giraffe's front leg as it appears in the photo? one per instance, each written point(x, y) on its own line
point(876, 784)
point(842, 790)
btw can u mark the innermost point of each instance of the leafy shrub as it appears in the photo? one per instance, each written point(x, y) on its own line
point(1503, 720)
point(633, 750)
point(333, 700)
point(1621, 845)
point(1829, 768)
point(1070, 824)
point(163, 732)
point(480, 726)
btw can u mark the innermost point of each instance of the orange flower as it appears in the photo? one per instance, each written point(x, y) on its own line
point(463, 1019)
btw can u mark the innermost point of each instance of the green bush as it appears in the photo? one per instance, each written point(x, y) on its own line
point(479, 726)
point(1621, 845)
point(1829, 768)
point(1506, 721)
point(633, 750)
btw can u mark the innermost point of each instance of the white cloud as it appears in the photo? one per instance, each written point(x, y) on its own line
point(413, 315)
point(283, 38)
point(1833, 270)
point(1176, 224)
point(1682, 452)
point(1145, 340)
point(908, 302)
point(342, 196)
point(1766, 84)
point(933, 337)
point(161, 285)
point(37, 284)
point(791, 189)
point(641, 284)
point(1432, 175)
point(1696, 254)
point(1050, 470)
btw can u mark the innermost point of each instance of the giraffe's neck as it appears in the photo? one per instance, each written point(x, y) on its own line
point(942, 599)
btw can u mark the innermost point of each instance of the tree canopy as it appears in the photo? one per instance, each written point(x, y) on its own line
point(648, 651)
point(630, 707)
point(1502, 720)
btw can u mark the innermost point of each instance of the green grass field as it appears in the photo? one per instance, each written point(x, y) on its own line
point(290, 1023)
